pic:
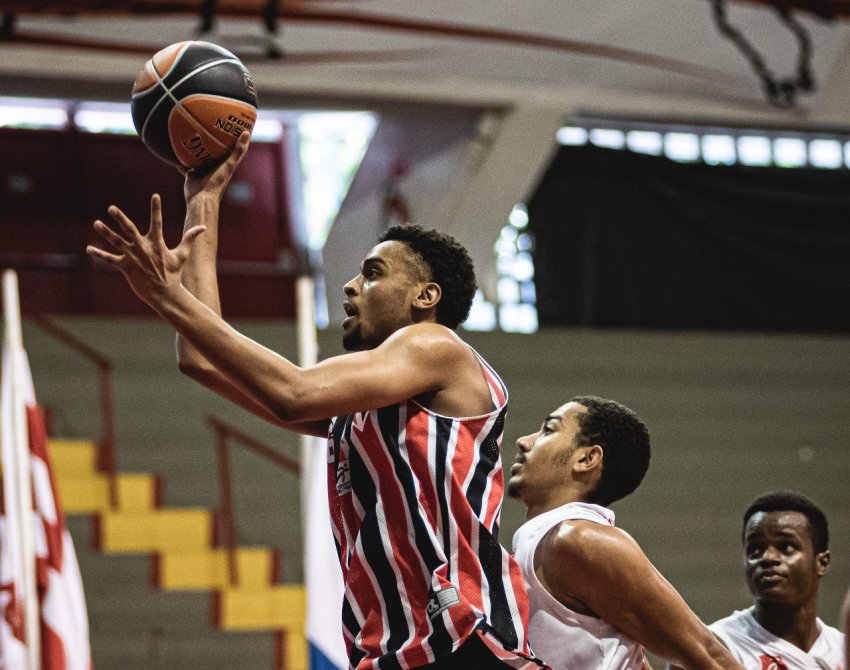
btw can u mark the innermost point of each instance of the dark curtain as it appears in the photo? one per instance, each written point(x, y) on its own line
point(628, 240)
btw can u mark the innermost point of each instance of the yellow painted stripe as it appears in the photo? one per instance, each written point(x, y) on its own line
point(274, 608)
point(69, 457)
point(295, 655)
point(89, 494)
point(210, 570)
point(179, 530)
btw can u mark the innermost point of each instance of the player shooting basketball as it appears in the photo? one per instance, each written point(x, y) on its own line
point(414, 418)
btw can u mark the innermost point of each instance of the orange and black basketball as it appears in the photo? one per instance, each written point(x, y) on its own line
point(190, 103)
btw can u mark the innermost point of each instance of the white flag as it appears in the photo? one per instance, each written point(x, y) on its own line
point(64, 633)
point(322, 574)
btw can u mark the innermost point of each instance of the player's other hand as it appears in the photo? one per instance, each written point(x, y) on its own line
point(213, 183)
point(150, 267)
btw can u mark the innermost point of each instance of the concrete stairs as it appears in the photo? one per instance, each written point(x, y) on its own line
point(157, 586)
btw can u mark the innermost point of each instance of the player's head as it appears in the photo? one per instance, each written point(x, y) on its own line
point(786, 549)
point(446, 263)
point(591, 450)
point(412, 275)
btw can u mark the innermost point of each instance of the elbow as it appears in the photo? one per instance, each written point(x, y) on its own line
point(193, 369)
point(285, 412)
point(288, 407)
point(191, 363)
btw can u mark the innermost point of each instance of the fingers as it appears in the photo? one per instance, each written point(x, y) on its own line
point(94, 251)
point(156, 218)
point(109, 235)
point(189, 237)
point(238, 152)
point(124, 221)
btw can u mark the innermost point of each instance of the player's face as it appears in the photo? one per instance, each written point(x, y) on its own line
point(781, 564)
point(379, 299)
point(543, 459)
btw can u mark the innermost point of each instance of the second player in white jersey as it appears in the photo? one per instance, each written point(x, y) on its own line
point(565, 638)
point(756, 648)
point(595, 598)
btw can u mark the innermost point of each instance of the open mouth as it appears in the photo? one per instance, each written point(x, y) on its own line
point(350, 313)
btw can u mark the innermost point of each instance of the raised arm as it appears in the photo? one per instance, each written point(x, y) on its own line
point(603, 568)
point(203, 193)
point(420, 359)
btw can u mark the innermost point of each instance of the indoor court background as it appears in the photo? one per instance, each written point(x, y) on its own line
point(469, 99)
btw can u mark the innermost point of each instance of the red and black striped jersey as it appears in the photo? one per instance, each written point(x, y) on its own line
point(415, 500)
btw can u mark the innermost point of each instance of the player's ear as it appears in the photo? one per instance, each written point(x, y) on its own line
point(429, 295)
point(589, 458)
point(822, 559)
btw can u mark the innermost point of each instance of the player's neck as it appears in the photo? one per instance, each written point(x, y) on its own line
point(553, 501)
point(794, 625)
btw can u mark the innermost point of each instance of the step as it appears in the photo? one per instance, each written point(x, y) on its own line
point(256, 568)
point(186, 530)
point(279, 607)
point(156, 647)
point(136, 626)
point(89, 493)
point(295, 653)
point(72, 457)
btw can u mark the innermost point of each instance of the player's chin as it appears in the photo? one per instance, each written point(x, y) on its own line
point(514, 486)
point(776, 594)
point(352, 340)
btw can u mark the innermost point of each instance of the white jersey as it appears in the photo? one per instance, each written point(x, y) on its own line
point(559, 636)
point(756, 648)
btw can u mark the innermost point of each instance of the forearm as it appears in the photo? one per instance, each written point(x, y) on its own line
point(200, 277)
point(255, 371)
point(199, 273)
point(707, 654)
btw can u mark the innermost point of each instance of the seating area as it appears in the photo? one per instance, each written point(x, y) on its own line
point(62, 180)
point(254, 619)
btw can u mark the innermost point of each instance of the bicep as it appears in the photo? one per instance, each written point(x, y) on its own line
point(218, 383)
point(617, 581)
point(400, 369)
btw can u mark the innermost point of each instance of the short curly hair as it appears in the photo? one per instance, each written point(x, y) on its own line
point(791, 501)
point(448, 264)
point(624, 439)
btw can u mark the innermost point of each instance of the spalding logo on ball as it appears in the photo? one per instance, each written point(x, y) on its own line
point(190, 103)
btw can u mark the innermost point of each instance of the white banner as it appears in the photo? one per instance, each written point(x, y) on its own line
point(59, 638)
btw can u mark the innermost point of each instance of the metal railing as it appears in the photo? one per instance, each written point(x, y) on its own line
point(227, 523)
point(106, 444)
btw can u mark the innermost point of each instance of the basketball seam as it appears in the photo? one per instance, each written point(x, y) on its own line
point(177, 58)
point(195, 121)
point(168, 90)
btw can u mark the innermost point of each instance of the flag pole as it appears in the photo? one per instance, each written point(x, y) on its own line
point(308, 355)
point(13, 335)
point(322, 576)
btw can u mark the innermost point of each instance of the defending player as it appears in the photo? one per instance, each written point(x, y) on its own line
point(414, 419)
point(786, 553)
point(596, 600)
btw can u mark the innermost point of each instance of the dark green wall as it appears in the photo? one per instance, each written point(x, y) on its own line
point(731, 416)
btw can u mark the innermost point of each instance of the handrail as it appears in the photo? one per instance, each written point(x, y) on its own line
point(227, 512)
point(106, 444)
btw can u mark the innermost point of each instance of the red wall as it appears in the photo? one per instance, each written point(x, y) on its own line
point(53, 184)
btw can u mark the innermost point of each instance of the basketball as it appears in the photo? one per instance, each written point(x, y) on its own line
point(191, 102)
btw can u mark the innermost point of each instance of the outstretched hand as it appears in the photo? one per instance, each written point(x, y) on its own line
point(214, 182)
point(150, 267)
